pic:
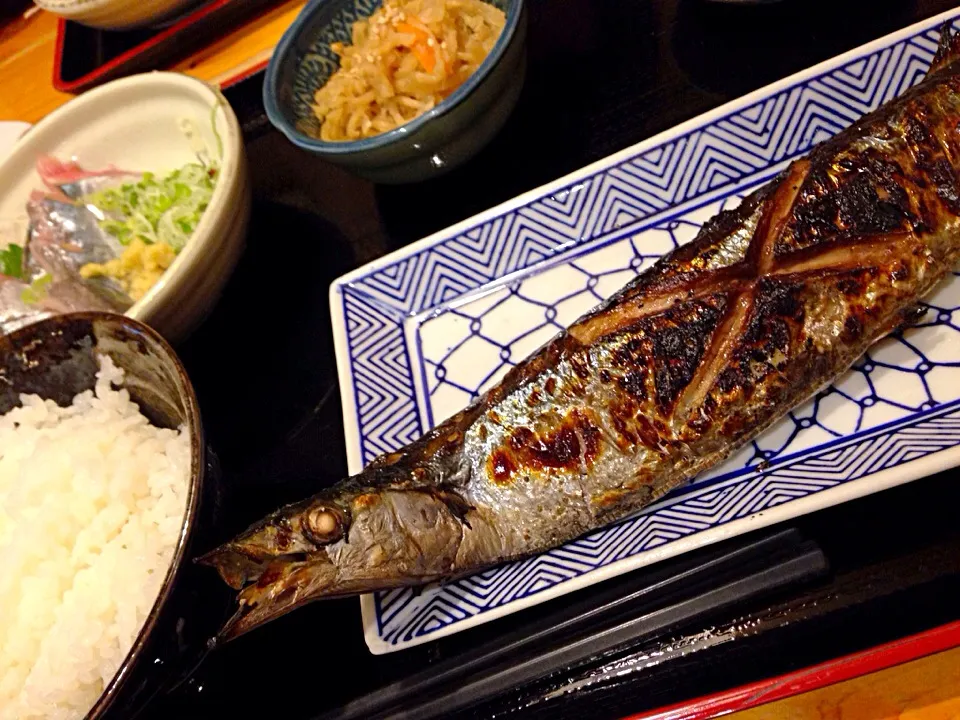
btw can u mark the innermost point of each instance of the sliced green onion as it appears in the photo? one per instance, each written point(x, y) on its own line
point(156, 209)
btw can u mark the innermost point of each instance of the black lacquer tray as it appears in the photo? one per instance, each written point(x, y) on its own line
point(831, 583)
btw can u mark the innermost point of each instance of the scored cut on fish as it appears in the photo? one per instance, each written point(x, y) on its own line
point(692, 359)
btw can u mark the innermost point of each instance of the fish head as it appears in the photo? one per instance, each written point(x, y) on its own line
point(334, 546)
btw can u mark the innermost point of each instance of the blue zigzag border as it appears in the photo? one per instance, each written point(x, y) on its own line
point(828, 466)
point(698, 166)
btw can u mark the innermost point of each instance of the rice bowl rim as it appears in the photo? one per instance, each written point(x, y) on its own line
point(282, 54)
point(15, 343)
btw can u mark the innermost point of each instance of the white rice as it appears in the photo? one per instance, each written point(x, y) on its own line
point(92, 498)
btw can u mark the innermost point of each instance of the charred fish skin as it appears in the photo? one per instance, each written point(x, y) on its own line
point(692, 359)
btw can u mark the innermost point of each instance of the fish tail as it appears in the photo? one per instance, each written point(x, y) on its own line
point(948, 50)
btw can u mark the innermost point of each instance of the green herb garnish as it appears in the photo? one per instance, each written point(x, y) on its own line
point(11, 261)
point(37, 290)
point(157, 210)
point(164, 209)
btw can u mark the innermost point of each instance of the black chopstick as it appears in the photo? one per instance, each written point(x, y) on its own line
point(669, 587)
point(809, 564)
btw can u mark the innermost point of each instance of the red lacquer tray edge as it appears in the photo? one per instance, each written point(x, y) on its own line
point(798, 682)
point(157, 40)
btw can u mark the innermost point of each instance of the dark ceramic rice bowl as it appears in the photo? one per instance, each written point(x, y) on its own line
point(57, 359)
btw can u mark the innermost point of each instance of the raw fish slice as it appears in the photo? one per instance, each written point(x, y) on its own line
point(14, 312)
point(64, 238)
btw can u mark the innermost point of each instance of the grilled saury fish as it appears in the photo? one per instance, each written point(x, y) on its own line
point(688, 362)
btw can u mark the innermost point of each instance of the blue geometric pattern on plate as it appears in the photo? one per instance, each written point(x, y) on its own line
point(426, 331)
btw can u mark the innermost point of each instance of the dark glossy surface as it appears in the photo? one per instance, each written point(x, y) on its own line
point(264, 369)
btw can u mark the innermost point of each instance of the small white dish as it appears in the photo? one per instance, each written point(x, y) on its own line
point(10, 132)
point(116, 14)
point(136, 123)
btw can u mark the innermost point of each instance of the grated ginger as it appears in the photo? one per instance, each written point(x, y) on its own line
point(137, 269)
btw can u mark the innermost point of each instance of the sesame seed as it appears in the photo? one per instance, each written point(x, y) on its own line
point(431, 42)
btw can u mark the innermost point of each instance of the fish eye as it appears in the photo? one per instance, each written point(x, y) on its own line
point(323, 524)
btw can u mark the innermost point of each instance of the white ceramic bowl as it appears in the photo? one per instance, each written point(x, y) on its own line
point(136, 124)
point(116, 14)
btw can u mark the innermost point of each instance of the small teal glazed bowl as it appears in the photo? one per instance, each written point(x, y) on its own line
point(427, 146)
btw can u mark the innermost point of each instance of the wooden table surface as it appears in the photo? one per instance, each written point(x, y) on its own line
point(27, 51)
point(924, 688)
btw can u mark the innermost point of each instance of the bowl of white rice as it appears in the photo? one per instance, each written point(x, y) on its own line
point(102, 465)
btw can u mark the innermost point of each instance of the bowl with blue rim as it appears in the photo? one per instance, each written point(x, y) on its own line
point(431, 144)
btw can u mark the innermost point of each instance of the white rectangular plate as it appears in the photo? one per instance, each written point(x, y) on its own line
point(421, 332)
